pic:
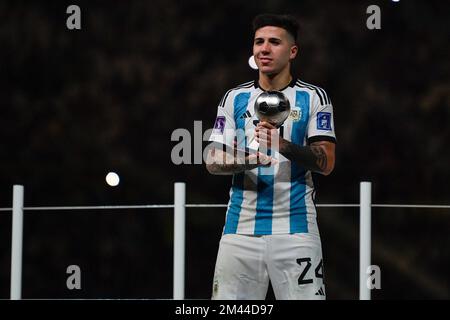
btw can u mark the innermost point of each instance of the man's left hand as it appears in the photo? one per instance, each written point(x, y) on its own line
point(266, 134)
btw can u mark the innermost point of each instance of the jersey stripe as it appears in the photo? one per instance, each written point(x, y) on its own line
point(237, 193)
point(234, 208)
point(318, 89)
point(244, 85)
point(327, 100)
point(264, 200)
point(319, 94)
point(298, 212)
point(224, 98)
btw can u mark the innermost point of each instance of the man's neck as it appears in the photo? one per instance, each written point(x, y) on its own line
point(275, 82)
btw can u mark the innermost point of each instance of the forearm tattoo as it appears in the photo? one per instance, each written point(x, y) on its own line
point(227, 164)
point(321, 156)
point(311, 157)
point(230, 168)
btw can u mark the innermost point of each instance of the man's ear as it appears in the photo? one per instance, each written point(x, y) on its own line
point(294, 51)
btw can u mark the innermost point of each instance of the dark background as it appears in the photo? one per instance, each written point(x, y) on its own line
point(76, 104)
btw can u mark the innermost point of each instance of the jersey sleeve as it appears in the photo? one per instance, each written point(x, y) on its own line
point(321, 121)
point(224, 127)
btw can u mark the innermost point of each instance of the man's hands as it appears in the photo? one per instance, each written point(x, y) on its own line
point(319, 156)
point(266, 134)
point(258, 158)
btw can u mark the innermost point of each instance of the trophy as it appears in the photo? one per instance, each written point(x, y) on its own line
point(272, 107)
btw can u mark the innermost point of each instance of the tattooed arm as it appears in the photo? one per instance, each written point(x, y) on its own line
point(223, 163)
point(318, 156)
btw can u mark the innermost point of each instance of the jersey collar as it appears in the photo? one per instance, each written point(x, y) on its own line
point(291, 84)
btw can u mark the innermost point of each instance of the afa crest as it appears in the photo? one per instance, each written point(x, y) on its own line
point(296, 114)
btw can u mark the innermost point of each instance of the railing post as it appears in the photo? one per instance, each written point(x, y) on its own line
point(179, 240)
point(364, 238)
point(16, 246)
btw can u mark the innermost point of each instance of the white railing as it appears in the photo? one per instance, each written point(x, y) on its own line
point(179, 207)
point(365, 231)
point(16, 246)
point(179, 226)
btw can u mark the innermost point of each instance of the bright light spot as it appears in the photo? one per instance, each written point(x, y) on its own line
point(395, 0)
point(112, 179)
point(252, 63)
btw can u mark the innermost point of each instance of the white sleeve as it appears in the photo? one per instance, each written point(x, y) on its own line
point(225, 126)
point(321, 121)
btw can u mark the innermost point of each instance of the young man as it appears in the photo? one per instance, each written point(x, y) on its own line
point(270, 230)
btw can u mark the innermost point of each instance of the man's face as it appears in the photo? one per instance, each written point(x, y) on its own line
point(273, 48)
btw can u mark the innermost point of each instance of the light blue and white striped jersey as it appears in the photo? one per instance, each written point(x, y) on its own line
point(278, 199)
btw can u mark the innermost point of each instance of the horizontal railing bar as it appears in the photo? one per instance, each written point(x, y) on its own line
point(206, 205)
point(337, 205)
point(170, 206)
point(425, 206)
point(156, 206)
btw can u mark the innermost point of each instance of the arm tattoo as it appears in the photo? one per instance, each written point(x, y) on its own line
point(230, 168)
point(320, 155)
point(311, 157)
point(224, 166)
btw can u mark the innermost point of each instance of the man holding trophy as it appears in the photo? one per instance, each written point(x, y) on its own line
point(271, 134)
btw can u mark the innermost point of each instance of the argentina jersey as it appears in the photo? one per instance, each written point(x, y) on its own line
point(276, 199)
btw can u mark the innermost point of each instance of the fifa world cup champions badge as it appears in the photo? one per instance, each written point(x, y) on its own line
point(272, 107)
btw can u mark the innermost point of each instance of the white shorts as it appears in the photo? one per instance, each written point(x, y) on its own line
point(246, 263)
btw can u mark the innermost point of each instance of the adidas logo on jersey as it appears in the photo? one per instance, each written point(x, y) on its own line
point(247, 114)
point(320, 292)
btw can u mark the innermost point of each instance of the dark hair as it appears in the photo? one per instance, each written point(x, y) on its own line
point(285, 21)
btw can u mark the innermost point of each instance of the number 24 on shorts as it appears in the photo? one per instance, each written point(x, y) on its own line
point(306, 262)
